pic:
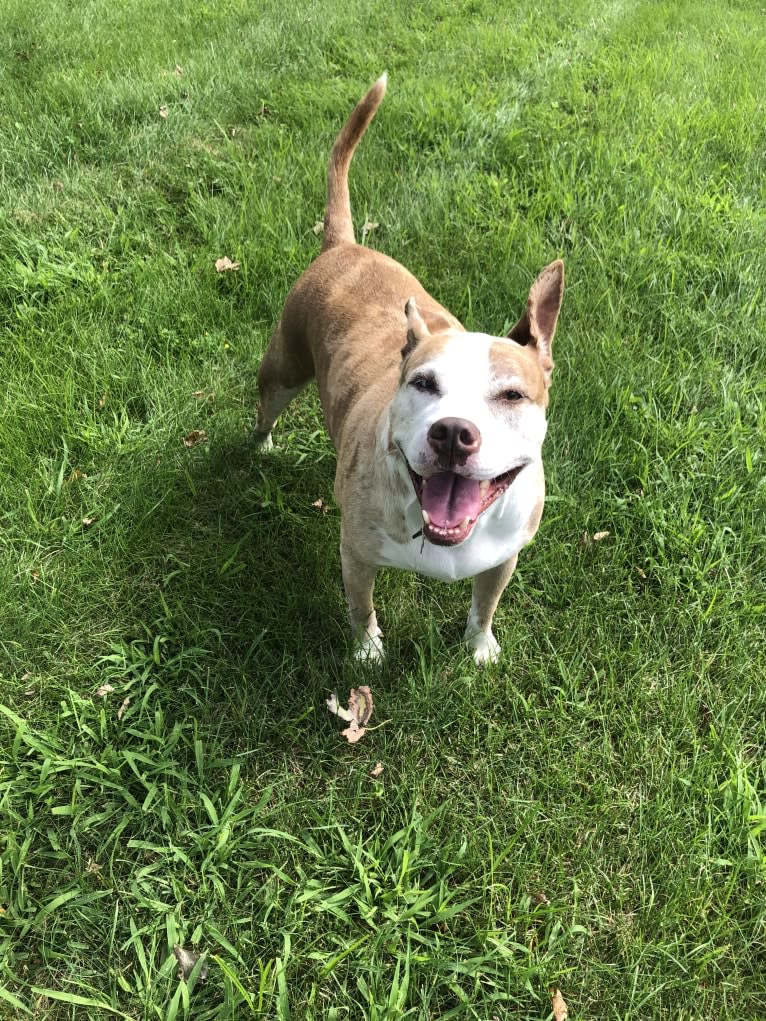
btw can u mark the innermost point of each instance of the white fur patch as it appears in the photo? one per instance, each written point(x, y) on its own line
point(469, 387)
point(512, 434)
point(498, 535)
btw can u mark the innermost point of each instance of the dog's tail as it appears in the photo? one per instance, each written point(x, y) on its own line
point(338, 225)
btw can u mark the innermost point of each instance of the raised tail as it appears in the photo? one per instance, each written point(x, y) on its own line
point(338, 226)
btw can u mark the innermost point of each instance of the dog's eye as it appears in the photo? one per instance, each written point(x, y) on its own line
point(511, 396)
point(426, 384)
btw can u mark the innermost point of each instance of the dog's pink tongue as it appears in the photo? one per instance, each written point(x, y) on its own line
point(449, 499)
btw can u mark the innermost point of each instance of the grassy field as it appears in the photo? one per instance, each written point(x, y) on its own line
point(590, 813)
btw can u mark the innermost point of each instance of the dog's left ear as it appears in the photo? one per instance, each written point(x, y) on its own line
point(538, 324)
point(416, 328)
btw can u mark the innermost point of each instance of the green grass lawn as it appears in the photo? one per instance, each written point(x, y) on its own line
point(590, 813)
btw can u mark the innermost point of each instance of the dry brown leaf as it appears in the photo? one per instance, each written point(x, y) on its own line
point(225, 265)
point(104, 690)
point(376, 770)
point(337, 709)
point(178, 71)
point(123, 707)
point(360, 704)
point(194, 437)
point(320, 505)
point(88, 521)
point(353, 732)
point(318, 227)
point(586, 540)
point(102, 402)
point(367, 228)
point(186, 961)
point(558, 1006)
point(358, 713)
point(164, 111)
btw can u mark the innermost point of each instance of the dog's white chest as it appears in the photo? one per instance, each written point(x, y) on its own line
point(498, 535)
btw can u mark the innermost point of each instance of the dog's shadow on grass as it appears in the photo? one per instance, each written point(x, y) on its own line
point(249, 600)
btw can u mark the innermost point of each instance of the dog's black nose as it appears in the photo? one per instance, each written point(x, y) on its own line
point(453, 440)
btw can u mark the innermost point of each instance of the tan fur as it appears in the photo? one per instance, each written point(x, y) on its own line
point(344, 323)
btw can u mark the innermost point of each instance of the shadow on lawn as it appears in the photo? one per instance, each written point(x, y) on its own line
point(247, 598)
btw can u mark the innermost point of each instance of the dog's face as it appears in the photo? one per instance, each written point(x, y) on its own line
point(469, 413)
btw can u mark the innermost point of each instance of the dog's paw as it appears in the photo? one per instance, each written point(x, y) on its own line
point(368, 649)
point(263, 441)
point(484, 647)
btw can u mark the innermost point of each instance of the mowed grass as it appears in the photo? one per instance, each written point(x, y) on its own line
point(588, 814)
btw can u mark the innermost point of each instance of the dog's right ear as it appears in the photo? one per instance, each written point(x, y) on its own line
point(416, 328)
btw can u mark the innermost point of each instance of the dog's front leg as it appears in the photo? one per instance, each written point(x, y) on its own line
point(487, 589)
point(359, 582)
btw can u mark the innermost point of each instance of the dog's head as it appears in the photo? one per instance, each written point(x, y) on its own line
point(469, 414)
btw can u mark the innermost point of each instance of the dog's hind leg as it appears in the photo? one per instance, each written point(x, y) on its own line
point(284, 372)
point(487, 589)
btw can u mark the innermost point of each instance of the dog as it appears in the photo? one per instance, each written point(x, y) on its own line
point(438, 431)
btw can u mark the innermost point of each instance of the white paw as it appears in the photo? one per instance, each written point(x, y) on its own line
point(368, 648)
point(263, 441)
point(484, 646)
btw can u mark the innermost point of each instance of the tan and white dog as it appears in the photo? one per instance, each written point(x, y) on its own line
point(438, 431)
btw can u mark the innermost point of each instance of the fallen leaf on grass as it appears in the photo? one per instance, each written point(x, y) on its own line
point(87, 522)
point(178, 71)
point(318, 227)
point(123, 707)
point(194, 437)
point(367, 228)
point(376, 770)
point(558, 1006)
point(164, 111)
point(186, 961)
point(586, 540)
point(104, 690)
point(357, 715)
point(225, 265)
point(320, 505)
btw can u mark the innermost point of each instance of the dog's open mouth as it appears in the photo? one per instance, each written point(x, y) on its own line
point(451, 503)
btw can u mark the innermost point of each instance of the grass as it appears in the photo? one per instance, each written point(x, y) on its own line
point(588, 814)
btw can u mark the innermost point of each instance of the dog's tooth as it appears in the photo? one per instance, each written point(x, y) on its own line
point(484, 487)
point(426, 518)
point(465, 522)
